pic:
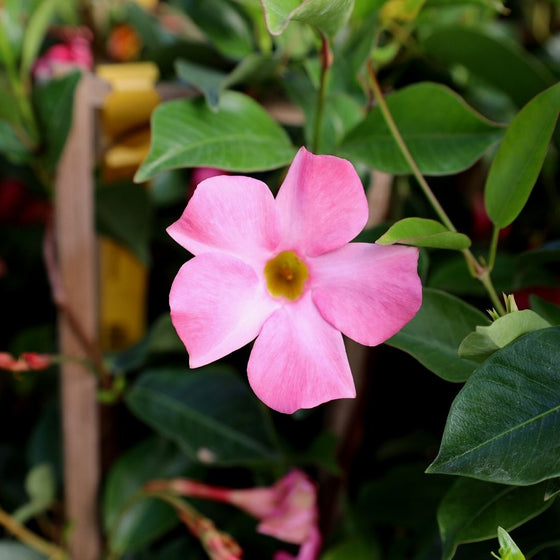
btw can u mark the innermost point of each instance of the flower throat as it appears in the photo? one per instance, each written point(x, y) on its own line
point(286, 275)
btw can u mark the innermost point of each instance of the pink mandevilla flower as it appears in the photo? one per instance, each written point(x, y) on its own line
point(283, 270)
point(287, 510)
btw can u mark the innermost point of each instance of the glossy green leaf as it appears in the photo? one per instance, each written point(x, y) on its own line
point(327, 15)
point(481, 344)
point(518, 162)
point(123, 212)
point(210, 413)
point(35, 32)
point(444, 135)
point(503, 425)
point(496, 60)
point(421, 232)
point(508, 549)
point(241, 136)
point(132, 520)
point(53, 101)
point(472, 510)
point(11, 550)
point(40, 486)
point(434, 335)
point(545, 309)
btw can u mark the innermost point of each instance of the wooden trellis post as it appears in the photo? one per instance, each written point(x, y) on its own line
point(76, 245)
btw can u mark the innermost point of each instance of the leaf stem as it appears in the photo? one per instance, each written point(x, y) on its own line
point(326, 61)
point(478, 271)
point(33, 540)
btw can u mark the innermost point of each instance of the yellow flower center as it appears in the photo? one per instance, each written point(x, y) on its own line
point(286, 275)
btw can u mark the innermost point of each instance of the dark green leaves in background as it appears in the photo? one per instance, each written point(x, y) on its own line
point(472, 510)
point(210, 413)
point(435, 333)
point(131, 519)
point(495, 59)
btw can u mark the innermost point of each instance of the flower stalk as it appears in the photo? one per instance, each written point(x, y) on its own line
point(30, 538)
point(218, 545)
point(477, 270)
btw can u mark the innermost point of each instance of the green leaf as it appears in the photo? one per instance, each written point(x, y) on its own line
point(35, 32)
point(503, 425)
point(508, 549)
point(545, 309)
point(443, 134)
point(421, 232)
point(10, 550)
point(132, 520)
point(479, 345)
point(330, 16)
point(472, 510)
point(40, 486)
point(518, 162)
point(124, 213)
point(210, 413)
point(53, 101)
point(497, 61)
point(10, 144)
point(225, 25)
point(434, 335)
point(241, 136)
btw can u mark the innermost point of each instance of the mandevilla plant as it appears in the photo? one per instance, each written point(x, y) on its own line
point(348, 171)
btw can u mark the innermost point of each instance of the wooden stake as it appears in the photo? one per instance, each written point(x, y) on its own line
point(76, 246)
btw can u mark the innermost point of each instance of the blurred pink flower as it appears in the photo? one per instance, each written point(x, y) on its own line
point(200, 174)
point(286, 510)
point(60, 59)
point(283, 270)
point(26, 362)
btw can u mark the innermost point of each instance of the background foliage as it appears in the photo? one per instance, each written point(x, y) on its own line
point(474, 400)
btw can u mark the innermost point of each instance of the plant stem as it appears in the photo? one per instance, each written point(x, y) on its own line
point(28, 537)
point(481, 273)
point(326, 61)
point(493, 248)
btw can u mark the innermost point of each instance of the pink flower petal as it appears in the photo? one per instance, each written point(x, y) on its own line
point(322, 204)
point(217, 306)
point(309, 550)
point(299, 360)
point(233, 214)
point(367, 291)
point(295, 513)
